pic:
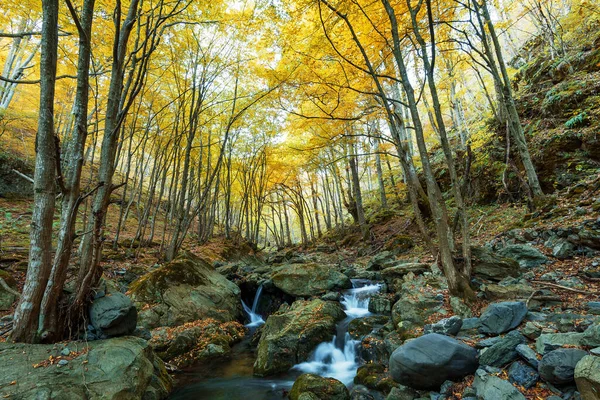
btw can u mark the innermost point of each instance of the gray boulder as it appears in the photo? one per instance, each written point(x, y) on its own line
point(522, 374)
point(428, 361)
point(527, 256)
point(527, 354)
point(547, 342)
point(113, 369)
point(113, 315)
point(504, 351)
point(502, 317)
point(490, 387)
point(587, 377)
point(558, 366)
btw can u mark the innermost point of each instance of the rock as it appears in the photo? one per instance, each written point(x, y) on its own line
point(381, 261)
point(359, 327)
point(531, 330)
point(504, 351)
point(460, 308)
point(374, 349)
point(7, 298)
point(508, 292)
point(380, 304)
point(552, 341)
point(184, 290)
point(527, 354)
point(447, 326)
point(490, 387)
point(428, 361)
point(522, 374)
point(587, 377)
point(558, 366)
point(593, 307)
point(113, 315)
point(416, 309)
point(563, 249)
point(400, 270)
point(491, 266)
point(360, 393)
point(306, 280)
point(401, 393)
point(469, 324)
point(290, 334)
point(502, 317)
point(374, 376)
point(331, 296)
point(323, 388)
point(527, 256)
point(113, 369)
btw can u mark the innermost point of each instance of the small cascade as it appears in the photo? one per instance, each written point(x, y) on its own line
point(338, 358)
point(255, 319)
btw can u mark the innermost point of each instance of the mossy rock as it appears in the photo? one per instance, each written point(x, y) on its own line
point(322, 388)
point(360, 327)
point(304, 280)
point(186, 289)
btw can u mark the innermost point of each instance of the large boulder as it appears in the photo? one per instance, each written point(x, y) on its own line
point(488, 265)
point(491, 387)
point(322, 388)
point(305, 280)
point(428, 361)
point(527, 256)
point(587, 377)
point(290, 334)
point(558, 366)
point(113, 315)
point(547, 342)
point(123, 368)
point(502, 317)
point(184, 290)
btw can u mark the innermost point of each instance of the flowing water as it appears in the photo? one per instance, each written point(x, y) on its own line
point(233, 380)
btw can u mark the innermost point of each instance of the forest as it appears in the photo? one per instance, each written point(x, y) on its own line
point(303, 199)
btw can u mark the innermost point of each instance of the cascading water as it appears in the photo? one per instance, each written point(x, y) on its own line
point(255, 319)
point(338, 359)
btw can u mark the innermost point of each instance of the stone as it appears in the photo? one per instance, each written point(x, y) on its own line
point(522, 374)
point(415, 309)
point(507, 292)
point(380, 304)
point(460, 308)
point(563, 249)
point(428, 361)
point(184, 290)
point(401, 393)
point(289, 335)
point(470, 324)
point(447, 326)
point(360, 393)
point(502, 352)
point(531, 330)
point(322, 388)
point(113, 315)
point(381, 261)
point(587, 377)
point(400, 270)
point(547, 342)
point(502, 317)
point(558, 366)
point(112, 369)
point(593, 307)
point(488, 265)
point(527, 354)
point(359, 327)
point(527, 256)
point(491, 387)
point(305, 280)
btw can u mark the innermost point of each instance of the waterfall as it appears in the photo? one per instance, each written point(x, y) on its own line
point(338, 358)
point(255, 319)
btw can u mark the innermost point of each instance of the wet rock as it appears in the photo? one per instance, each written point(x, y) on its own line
point(359, 327)
point(488, 265)
point(522, 374)
point(490, 387)
point(361, 393)
point(113, 315)
point(527, 256)
point(428, 361)
point(309, 279)
point(292, 333)
point(113, 369)
point(502, 317)
point(504, 351)
point(447, 326)
point(322, 388)
point(184, 290)
point(587, 377)
point(558, 366)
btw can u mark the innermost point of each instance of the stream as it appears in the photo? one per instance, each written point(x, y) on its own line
point(232, 379)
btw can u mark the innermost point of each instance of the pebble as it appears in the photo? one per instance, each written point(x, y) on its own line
point(63, 362)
